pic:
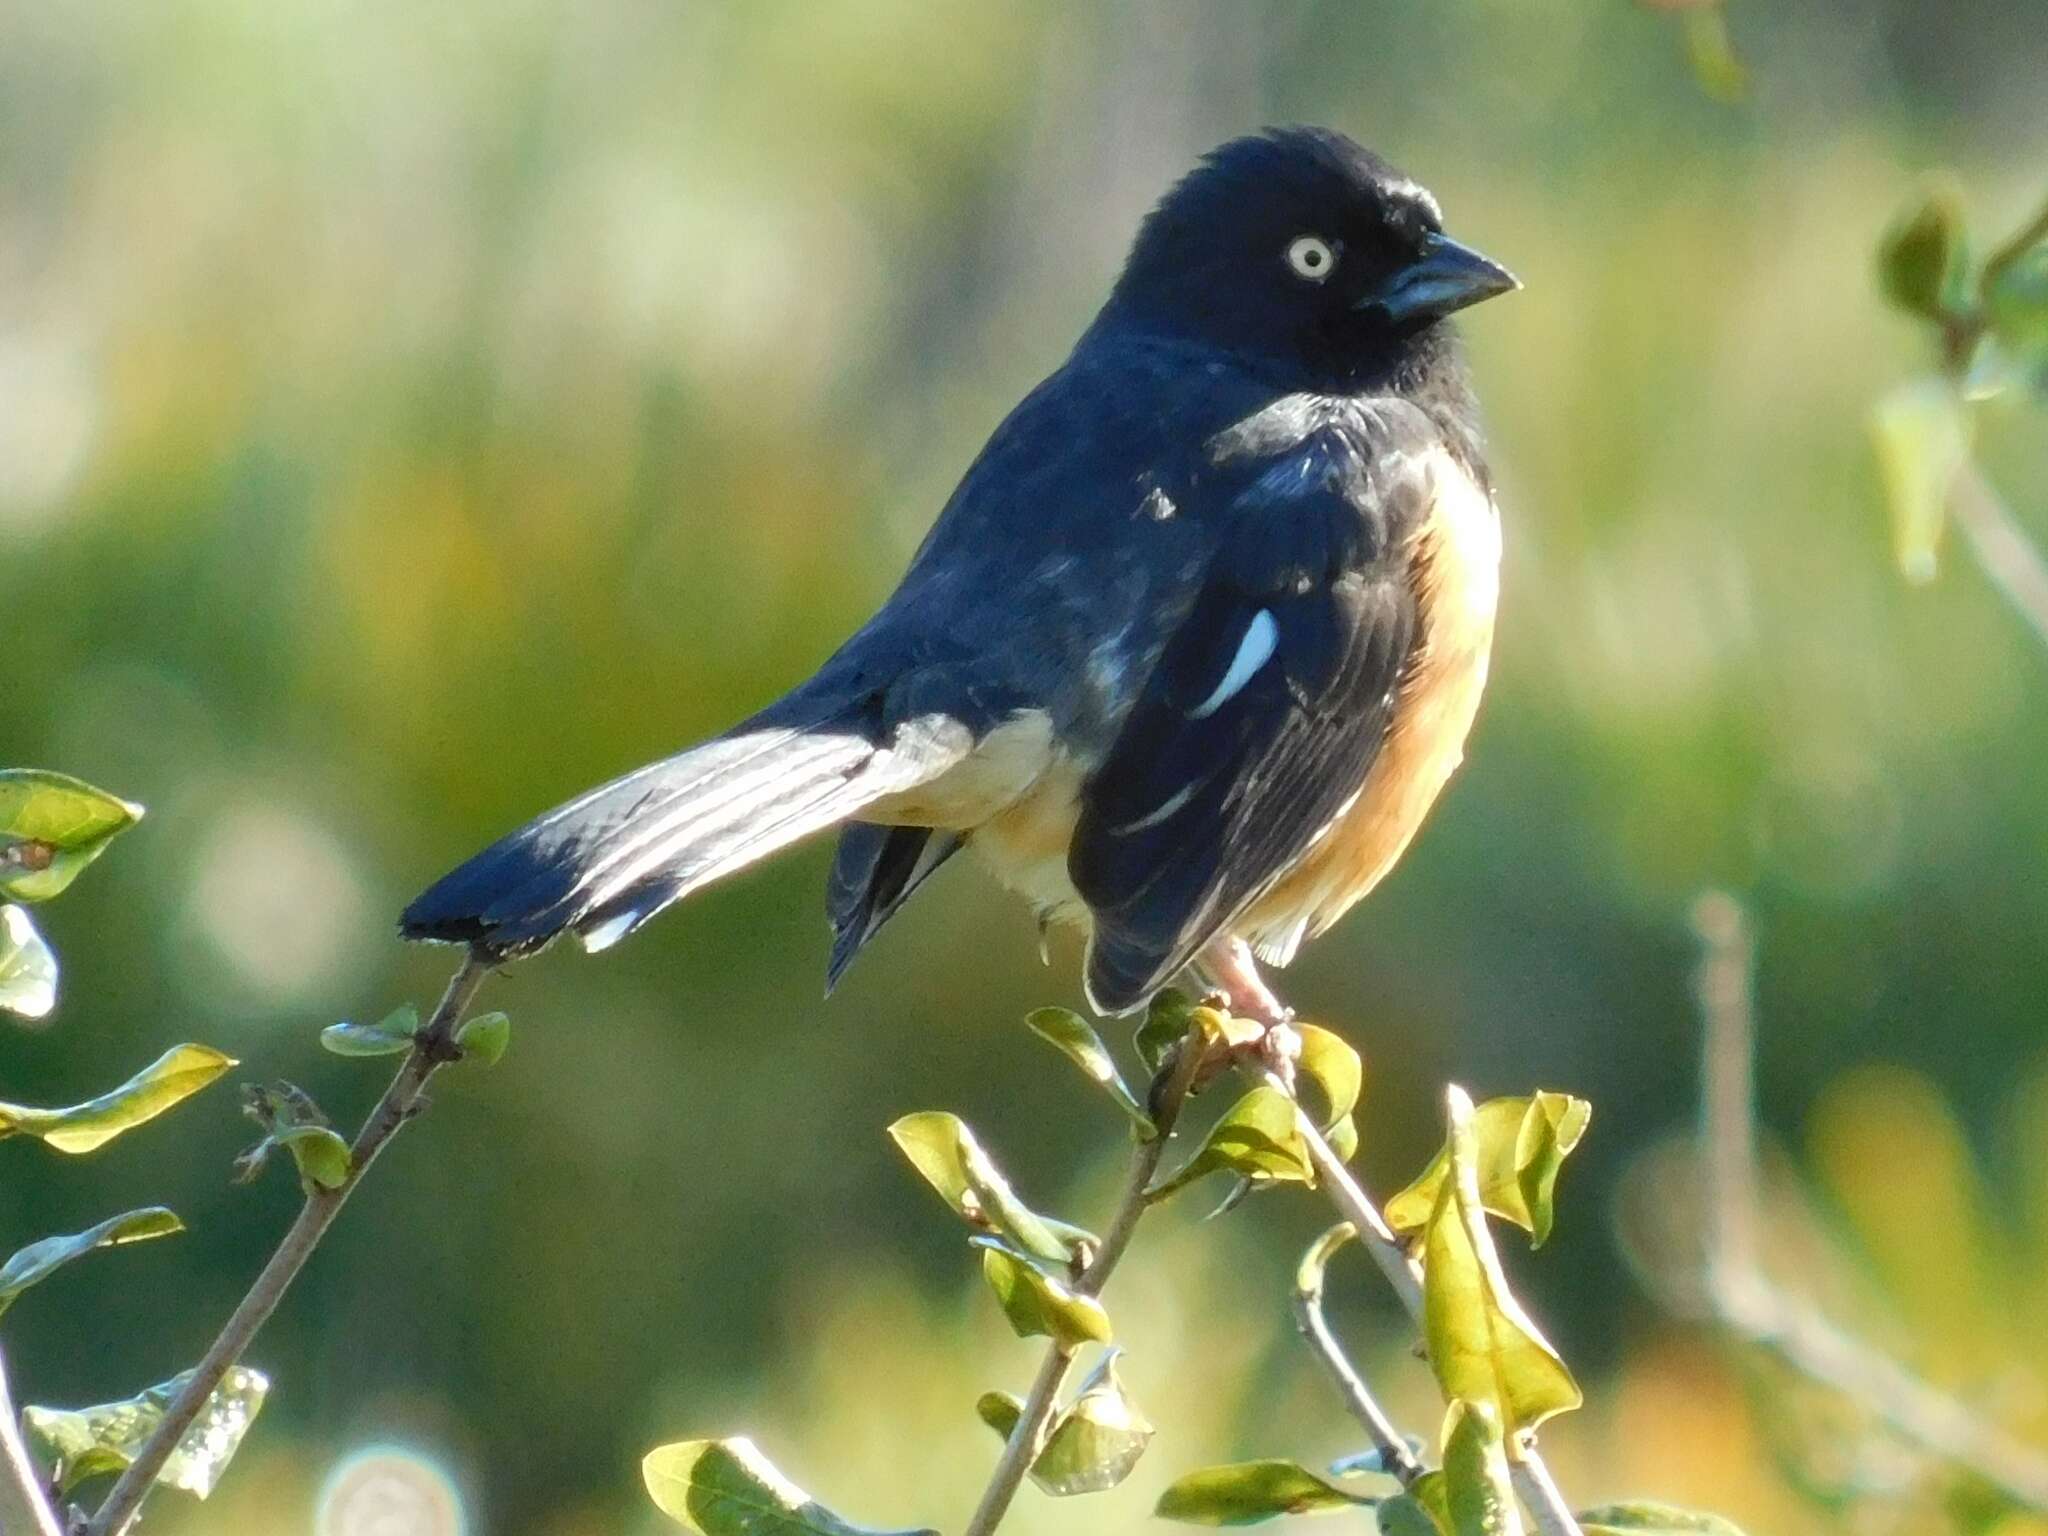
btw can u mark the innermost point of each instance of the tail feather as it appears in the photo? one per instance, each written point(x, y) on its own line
point(602, 864)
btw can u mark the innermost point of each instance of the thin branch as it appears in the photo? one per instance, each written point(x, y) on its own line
point(1746, 1302)
point(1395, 1456)
point(433, 1048)
point(1534, 1485)
point(2002, 547)
point(25, 1506)
point(1027, 1437)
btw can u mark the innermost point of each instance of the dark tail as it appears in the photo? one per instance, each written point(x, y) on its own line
point(603, 864)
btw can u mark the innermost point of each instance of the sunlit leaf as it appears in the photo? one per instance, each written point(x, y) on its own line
point(1482, 1345)
point(1258, 1138)
point(36, 1262)
point(176, 1075)
point(1920, 259)
point(1040, 1304)
point(1075, 1038)
point(1247, 1492)
point(51, 827)
point(28, 968)
point(1000, 1411)
point(1328, 1061)
point(728, 1488)
point(1521, 1144)
point(943, 1149)
point(1096, 1440)
point(1478, 1496)
point(484, 1038)
point(291, 1120)
point(1655, 1519)
point(85, 1442)
point(390, 1036)
point(1922, 435)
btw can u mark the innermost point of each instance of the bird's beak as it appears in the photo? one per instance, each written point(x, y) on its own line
point(1446, 277)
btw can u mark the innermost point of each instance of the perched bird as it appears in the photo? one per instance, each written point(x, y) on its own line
point(1186, 657)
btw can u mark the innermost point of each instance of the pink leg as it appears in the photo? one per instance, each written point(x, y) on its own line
point(1229, 965)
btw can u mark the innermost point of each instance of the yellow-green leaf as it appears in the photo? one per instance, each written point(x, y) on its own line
point(1922, 435)
point(1920, 259)
point(1328, 1061)
point(87, 1441)
point(1655, 1520)
point(1040, 1304)
point(1095, 1441)
point(176, 1075)
point(51, 827)
point(1166, 1024)
point(1521, 1144)
point(36, 1262)
point(1000, 1411)
point(1478, 1496)
point(28, 968)
point(728, 1488)
point(1247, 1492)
point(2017, 302)
point(943, 1149)
point(484, 1038)
point(1258, 1138)
point(1419, 1512)
point(1075, 1038)
point(390, 1036)
point(1482, 1345)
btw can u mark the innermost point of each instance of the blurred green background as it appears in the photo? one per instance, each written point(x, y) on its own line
point(410, 415)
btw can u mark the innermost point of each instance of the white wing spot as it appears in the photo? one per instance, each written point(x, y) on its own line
point(608, 932)
point(1152, 818)
point(1253, 652)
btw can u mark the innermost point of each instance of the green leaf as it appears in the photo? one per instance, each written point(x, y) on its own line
point(1247, 1492)
point(51, 827)
point(1521, 1144)
point(1478, 1496)
point(174, 1076)
point(1075, 1038)
point(291, 1120)
point(1258, 1138)
point(728, 1488)
point(1482, 1345)
point(1308, 1274)
point(943, 1149)
point(88, 1441)
point(1040, 1304)
point(1096, 1441)
point(1419, 1512)
point(38, 1260)
point(28, 969)
point(1658, 1519)
point(390, 1036)
point(1000, 1411)
point(1166, 1024)
point(484, 1038)
point(1328, 1061)
point(2016, 302)
point(1922, 435)
point(1920, 260)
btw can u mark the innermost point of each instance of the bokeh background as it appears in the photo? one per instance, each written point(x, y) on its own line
point(410, 415)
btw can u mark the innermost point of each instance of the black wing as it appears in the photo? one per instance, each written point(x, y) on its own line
point(1266, 708)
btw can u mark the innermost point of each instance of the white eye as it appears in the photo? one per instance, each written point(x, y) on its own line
point(1312, 258)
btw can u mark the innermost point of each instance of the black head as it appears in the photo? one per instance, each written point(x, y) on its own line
point(1299, 249)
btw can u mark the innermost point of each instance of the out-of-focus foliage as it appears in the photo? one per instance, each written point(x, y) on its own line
point(79, 1128)
point(89, 1442)
point(412, 415)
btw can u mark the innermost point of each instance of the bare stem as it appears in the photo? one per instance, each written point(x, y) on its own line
point(433, 1048)
point(2002, 547)
point(1395, 1456)
point(25, 1505)
point(1749, 1304)
point(1533, 1482)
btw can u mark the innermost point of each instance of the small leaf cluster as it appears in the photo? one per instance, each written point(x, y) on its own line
point(1989, 322)
point(51, 827)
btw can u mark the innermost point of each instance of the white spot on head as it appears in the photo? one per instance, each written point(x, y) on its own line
point(1253, 652)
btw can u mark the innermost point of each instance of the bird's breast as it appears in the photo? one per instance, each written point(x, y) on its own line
point(1454, 566)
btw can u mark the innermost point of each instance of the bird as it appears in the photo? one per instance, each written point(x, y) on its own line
point(1186, 657)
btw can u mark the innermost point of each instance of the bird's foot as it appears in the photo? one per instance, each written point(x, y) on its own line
point(1240, 990)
